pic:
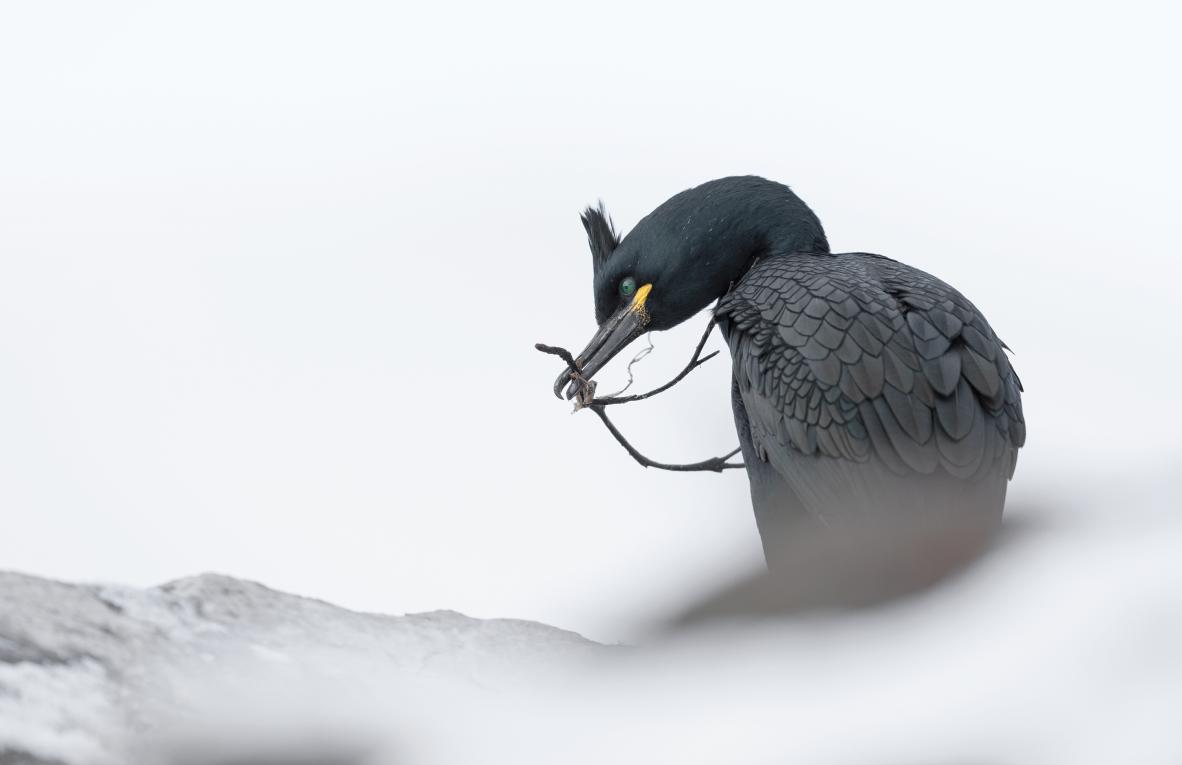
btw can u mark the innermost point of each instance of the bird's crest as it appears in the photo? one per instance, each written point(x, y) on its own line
point(601, 234)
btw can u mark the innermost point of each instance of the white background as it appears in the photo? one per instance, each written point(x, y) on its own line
point(270, 273)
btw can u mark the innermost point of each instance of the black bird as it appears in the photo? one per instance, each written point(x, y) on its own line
point(863, 389)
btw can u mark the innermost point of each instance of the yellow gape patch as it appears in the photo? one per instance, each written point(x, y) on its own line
point(638, 302)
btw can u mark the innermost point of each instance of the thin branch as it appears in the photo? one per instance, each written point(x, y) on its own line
point(558, 351)
point(586, 399)
point(714, 464)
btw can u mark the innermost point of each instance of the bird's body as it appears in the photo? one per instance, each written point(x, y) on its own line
point(863, 390)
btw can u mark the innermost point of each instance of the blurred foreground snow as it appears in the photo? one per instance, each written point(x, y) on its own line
point(1062, 646)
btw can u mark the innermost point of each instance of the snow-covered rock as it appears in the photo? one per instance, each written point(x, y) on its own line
point(1064, 645)
point(91, 674)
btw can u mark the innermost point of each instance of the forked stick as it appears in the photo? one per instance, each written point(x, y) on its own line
point(586, 400)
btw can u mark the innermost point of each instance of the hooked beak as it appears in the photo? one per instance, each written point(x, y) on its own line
point(621, 328)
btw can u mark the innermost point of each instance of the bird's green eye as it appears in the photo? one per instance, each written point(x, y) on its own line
point(628, 287)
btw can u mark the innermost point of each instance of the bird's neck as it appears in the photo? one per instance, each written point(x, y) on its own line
point(797, 237)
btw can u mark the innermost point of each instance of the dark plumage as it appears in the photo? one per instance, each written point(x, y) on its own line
point(861, 386)
point(601, 234)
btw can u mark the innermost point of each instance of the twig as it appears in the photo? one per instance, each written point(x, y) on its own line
point(714, 464)
point(598, 405)
point(558, 351)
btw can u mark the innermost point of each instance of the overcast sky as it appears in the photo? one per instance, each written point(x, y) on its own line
point(271, 273)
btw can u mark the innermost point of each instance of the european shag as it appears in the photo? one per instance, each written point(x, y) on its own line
point(863, 388)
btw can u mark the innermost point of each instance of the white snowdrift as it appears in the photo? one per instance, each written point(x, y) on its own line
point(1064, 646)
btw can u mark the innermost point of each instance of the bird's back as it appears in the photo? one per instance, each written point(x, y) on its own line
point(866, 387)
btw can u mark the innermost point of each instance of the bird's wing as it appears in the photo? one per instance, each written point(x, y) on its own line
point(857, 356)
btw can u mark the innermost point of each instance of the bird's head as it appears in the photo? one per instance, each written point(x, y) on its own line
point(684, 255)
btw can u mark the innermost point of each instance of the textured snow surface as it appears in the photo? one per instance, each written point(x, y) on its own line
point(1062, 646)
point(99, 674)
